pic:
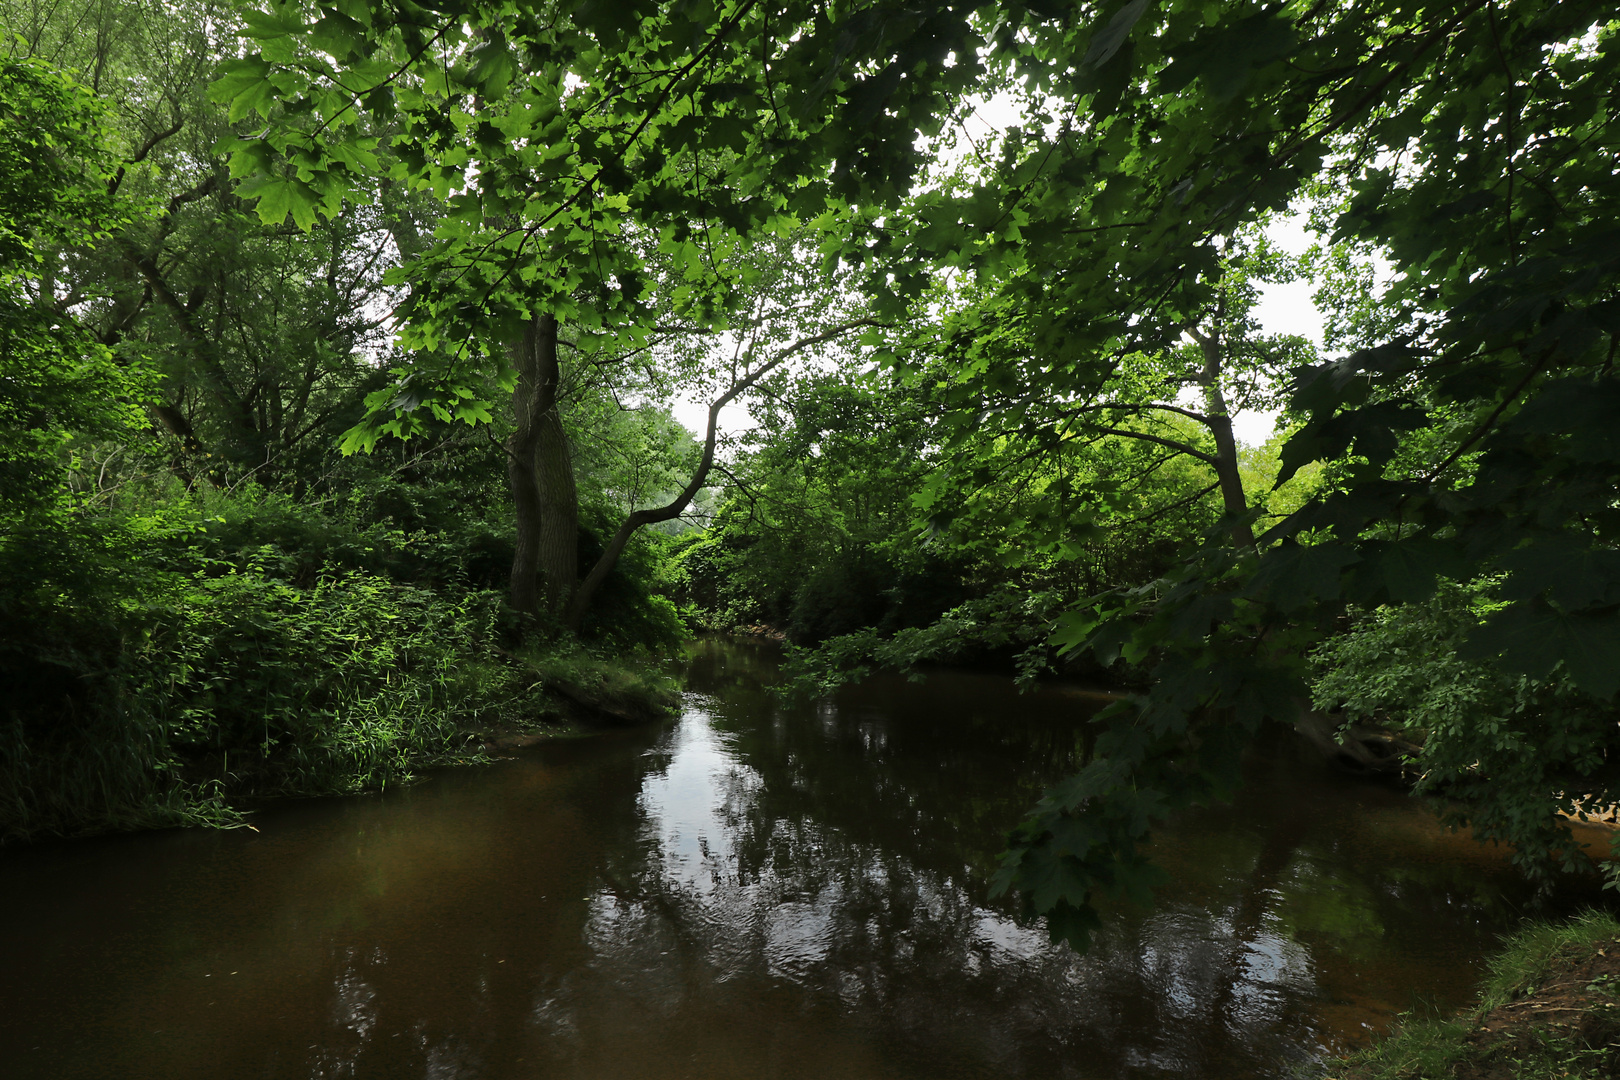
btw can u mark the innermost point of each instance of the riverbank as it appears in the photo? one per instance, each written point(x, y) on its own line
point(210, 762)
point(1550, 1008)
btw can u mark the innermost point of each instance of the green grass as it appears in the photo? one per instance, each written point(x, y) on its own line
point(1429, 1047)
point(1517, 970)
point(622, 688)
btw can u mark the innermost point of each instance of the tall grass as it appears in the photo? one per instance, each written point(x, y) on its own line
point(161, 664)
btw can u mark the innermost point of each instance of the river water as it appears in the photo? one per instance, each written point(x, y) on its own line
point(752, 891)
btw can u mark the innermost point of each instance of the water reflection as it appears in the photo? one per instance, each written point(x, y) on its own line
point(751, 892)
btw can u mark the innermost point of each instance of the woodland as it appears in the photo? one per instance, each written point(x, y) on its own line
point(341, 346)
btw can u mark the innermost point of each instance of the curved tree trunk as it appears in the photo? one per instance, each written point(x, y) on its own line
point(545, 567)
point(581, 600)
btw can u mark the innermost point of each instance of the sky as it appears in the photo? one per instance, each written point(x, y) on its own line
point(1283, 309)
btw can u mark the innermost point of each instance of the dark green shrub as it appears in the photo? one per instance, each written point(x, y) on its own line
point(1514, 750)
point(143, 696)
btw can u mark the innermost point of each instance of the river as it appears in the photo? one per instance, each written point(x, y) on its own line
point(750, 891)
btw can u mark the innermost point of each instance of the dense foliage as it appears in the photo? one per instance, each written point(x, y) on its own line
point(1503, 744)
point(200, 599)
point(994, 381)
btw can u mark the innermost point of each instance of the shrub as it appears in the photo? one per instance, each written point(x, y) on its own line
point(142, 695)
point(1511, 751)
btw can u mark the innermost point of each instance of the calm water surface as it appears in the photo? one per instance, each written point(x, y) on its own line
point(752, 891)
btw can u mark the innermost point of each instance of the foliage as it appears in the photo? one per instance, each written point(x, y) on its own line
point(228, 608)
point(344, 680)
point(55, 380)
point(1458, 142)
point(55, 166)
point(813, 531)
point(1516, 751)
point(137, 701)
point(1015, 623)
point(633, 610)
point(653, 120)
point(618, 166)
point(610, 685)
point(425, 535)
point(255, 340)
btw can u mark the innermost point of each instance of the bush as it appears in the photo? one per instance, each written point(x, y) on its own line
point(1513, 752)
point(337, 687)
point(632, 609)
point(297, 542)
point(143, 694)
point(1009, 624)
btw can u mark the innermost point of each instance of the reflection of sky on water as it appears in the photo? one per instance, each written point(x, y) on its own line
point(684, 803)
point(756, 891)
point(907, 954)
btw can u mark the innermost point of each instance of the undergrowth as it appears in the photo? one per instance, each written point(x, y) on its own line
point(162, 683)
point(1007, 622)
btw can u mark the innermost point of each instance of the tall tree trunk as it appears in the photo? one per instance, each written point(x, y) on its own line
point(1219, 422)
point(545, 567)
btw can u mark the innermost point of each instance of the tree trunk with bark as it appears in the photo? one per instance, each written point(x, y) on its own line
point(539, 467)
point(1218, 420)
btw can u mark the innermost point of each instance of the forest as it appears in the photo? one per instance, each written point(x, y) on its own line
point(345, 349)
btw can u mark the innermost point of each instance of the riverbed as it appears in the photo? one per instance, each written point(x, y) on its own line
point(753, 890)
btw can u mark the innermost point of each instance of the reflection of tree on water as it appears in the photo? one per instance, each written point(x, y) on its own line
point(759, 892)
point(1267, 968)
point(818, 865)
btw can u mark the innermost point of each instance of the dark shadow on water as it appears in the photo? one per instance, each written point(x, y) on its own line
point(753, 891)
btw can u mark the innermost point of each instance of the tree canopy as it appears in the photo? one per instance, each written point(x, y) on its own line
point(1061, 312)
point(1469, 143)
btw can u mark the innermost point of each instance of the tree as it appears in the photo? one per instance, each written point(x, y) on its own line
point(1470, 140)
point(784, 311)
point(553, 132)
point(813, 531)
point(257, 333)
point(1460, 139)
point(1177, 400)
point(56, 381)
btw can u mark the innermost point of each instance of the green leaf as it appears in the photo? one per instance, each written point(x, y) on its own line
point(358, 10)
point(494, 66)
point(1408, 569)
point(1533, 638)
point(1292, 576)
point(340, 36)
point(1227, 58)
point(1107, 41)
point(1073, 628)
point(248, 157)
point(246, 86)
point(1588, 415)
point(279, 196)
point(267, 24)
point(1567, 568)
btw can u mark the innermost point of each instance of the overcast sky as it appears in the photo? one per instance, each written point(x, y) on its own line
point(1284, 309)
